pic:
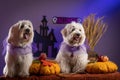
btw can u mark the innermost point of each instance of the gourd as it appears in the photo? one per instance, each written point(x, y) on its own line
point(102, 66)
point(42, 66)
point(35, 67)
point(48, 68)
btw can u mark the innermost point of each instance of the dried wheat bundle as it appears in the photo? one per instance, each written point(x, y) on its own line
point(94, 29)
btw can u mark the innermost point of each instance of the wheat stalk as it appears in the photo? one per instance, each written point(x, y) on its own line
point(94, 29)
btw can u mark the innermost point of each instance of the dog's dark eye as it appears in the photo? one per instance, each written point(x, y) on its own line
point(79, 29)
point(73, 29)
point(29, 26)
point(22, 26)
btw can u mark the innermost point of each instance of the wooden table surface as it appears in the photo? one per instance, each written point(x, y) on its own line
point(108, 76)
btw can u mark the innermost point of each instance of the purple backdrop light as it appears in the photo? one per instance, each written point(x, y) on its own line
point(102, 6)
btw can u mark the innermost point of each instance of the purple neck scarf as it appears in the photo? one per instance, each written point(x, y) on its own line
point(72, 49)
point(19, 50)
point(65, 47)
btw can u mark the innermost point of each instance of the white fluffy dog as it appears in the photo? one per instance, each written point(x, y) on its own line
point(72, 55)
point(18, 56)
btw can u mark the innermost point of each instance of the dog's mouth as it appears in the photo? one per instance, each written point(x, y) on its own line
point(26, 34)
point(77, 38)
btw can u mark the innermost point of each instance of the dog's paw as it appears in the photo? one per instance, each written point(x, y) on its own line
point(23, 74)
point(79, 69)
point(65, 70)
point(8, 73)
point(5, 71)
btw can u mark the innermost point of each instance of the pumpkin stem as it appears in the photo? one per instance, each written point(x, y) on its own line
point(43, 56)
point(46, 63)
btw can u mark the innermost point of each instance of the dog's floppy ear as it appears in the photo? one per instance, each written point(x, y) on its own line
point(64, 32)
point(12, 35)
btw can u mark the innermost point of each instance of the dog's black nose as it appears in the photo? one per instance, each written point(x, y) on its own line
point(27, 30)
point(77, 34)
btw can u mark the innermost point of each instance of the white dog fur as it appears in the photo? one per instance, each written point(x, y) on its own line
point(72, 55)
point(18, 56)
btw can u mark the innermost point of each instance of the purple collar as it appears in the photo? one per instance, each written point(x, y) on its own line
point(72, 49)
point(19, 50)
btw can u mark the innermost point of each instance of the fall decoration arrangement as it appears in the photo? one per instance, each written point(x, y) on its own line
point(94, 29)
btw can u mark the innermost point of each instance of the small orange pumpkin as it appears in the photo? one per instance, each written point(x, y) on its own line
point(103, 59)
point(48, 68)
point(35, 67)
point(101, 67)
point(44, 67)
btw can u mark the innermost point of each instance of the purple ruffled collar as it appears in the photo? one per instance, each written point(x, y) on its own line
point(65, 47)
point(19, 50)
point(71, 48)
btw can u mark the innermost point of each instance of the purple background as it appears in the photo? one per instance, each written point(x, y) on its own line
point(12, 11)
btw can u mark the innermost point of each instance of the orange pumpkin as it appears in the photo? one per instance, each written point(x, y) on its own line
point(35, 67)
point(48, 68)
point(44, 66)
point(103, 59)
point(101, 67)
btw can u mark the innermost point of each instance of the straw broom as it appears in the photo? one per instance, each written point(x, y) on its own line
point(94, 29)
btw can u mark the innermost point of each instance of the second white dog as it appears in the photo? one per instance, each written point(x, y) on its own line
point(18, 56)
point(72, 55)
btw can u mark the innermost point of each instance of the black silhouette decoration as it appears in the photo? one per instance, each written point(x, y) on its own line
point(44, 41)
